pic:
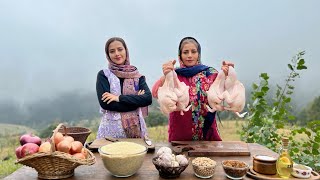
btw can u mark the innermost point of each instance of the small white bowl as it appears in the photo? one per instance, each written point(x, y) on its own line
point(301, 171)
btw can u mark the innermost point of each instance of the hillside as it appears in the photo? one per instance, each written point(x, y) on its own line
point(14, 130)
point(9, 141)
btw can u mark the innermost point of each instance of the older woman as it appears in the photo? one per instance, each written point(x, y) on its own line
point(123, 94)
point(197, 123)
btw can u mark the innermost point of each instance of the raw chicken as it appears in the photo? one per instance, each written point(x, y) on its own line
point(182, 92)
point(167, 98)
point(215, 93)
point(234, 94)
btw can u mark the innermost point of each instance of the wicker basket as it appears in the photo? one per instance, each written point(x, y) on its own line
point(78, 133)
point(169, 172)
point(55, 165)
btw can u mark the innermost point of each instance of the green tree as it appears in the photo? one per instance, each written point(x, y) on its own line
point(313, 112)
point(48, 131)
point(156, 118)
point(266, 118)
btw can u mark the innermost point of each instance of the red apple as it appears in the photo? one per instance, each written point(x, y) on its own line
point(28, 149)
point(18, 152)
point(29, 138)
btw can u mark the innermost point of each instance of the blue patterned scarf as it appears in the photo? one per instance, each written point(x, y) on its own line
point(191, 71)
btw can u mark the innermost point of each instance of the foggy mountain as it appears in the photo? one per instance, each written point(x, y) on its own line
point(52, 50)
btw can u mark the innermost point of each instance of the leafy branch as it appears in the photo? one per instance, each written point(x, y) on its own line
point(297, 63)
point(280, 112)
point(266, 118)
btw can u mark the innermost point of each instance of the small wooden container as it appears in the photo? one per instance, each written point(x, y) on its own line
point(264, 164)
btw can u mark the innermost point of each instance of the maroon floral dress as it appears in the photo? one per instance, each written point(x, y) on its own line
point(197, 123)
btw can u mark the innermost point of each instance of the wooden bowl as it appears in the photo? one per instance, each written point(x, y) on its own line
point(264, 164)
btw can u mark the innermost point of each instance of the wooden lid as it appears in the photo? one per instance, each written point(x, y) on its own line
point(265, 158)
point(285, 141)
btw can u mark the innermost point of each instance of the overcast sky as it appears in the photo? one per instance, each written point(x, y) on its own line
point(50, 47)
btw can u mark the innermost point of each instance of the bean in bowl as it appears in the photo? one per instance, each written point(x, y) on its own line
point(235, 169)
point(203, 167)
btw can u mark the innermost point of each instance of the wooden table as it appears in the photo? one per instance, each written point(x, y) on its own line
point(147, 171)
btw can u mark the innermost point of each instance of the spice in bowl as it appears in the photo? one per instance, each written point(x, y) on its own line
point(203, 167)
point(235, 169)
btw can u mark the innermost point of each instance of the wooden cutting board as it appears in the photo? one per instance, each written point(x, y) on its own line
point(255, 175)
point(97, 143)
point(211, 148)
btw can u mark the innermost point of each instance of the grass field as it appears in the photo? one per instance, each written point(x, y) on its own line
point(9, 141)
point(228, 131)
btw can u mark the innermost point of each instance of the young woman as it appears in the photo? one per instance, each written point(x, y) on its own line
point(123, 95)
point(197, 123)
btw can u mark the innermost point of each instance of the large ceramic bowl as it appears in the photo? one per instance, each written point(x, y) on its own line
point(301, 171)
point(122, 159)
point(235, 169)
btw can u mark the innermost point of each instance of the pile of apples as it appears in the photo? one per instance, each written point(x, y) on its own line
point(31, 144)
point(68, 145)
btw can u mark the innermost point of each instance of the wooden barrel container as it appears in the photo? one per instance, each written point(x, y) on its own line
point(264, 164)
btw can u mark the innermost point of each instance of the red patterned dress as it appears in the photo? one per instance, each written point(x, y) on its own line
point(197, 123)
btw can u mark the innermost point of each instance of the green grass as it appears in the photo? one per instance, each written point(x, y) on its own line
point(8, 167)
point(158, 133)
point(11, 129)
point(228, 130)
point(9, 141)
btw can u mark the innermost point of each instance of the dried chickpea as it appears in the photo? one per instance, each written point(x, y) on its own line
point(203, 167)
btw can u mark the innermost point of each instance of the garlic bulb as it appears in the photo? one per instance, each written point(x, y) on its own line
point(182, 160)
point(173, 157)
point(174, 164)
point(164, 150)
point(165, 159)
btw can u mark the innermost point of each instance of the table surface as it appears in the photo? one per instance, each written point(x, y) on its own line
point(148, 170)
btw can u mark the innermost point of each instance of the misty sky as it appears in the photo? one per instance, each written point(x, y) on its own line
point(50, 47)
